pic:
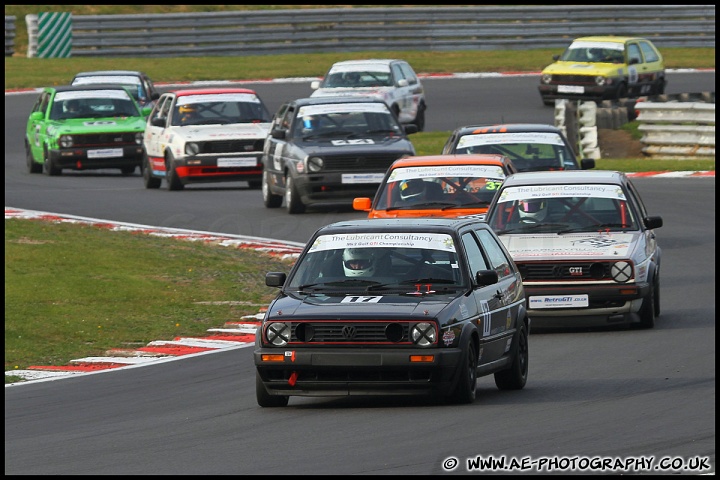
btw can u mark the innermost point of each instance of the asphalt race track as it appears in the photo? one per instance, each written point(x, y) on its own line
point(603, 401)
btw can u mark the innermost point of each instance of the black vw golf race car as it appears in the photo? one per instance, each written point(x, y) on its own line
point(418, 306)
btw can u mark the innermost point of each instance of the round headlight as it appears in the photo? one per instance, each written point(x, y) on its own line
point(423, 334)
point(621, 272)
point(278, 334)
point(546, 78)
point(66, 141)
point(192, 148)
point(600, 80)
point(139, 138)
point(315, 164)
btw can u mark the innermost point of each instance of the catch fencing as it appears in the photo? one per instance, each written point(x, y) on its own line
point(323, 30)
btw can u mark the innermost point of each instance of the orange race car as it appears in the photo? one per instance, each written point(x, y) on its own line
point(438, 186)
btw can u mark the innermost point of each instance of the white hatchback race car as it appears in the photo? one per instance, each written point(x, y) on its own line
point(393, 81)
point(585, 246)
point(205, 135)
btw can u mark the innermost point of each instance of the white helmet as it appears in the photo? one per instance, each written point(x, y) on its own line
point(358, 262)
point(412, 189)
point(532, 211)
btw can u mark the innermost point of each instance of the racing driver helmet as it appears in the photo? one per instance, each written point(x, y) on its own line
point(358, 262)
point(532, 211)
point(412, 189)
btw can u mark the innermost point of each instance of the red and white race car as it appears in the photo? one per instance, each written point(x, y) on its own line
point(205, 135)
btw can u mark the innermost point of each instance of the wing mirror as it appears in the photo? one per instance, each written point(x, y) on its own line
point(483, 278)
point(278, 133)
point(275, 279)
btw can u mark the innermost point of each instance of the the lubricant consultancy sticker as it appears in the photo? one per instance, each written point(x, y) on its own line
point(559, 301)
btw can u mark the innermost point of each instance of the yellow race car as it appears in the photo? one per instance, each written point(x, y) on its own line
point(604, 68)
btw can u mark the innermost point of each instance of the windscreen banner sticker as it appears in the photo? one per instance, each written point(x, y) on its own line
point(606, 45)
point(121, 79)
point(365, 67)
point(218, 98)
point(459, 171)
point(432, 241)
point(558, 301)
point(342, 108)
point(509, 138)
point(118, 94)
point(511, 194)
point(360, 299)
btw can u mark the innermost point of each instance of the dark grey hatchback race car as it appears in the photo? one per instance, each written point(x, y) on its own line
point(394, 307)
point(330, 150)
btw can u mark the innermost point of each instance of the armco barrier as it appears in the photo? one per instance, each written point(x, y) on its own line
point(678, 126)
point(677, 130)
point(272, 32)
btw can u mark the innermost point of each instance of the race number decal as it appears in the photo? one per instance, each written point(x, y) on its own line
point(360, 299)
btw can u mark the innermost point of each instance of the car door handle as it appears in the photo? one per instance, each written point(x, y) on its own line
point(499, 295)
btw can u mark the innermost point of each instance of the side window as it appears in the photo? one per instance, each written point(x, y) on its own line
point(500, 262)
point(287, 118)
point(165, 108)
point(634, 53)
point(42, 103)
point(649, 52)
point(474, 254)
point(409, 74)
point(634, 197)
point(397, 73)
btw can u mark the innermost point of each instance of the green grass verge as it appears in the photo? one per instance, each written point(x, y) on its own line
point(74, 290)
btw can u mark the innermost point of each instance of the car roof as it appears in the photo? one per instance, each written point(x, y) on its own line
point(415, 225)
point(82, 88)
point(607, 38)
point(508, 128)
point(564, 177)
point(384, 61)
point(324, 100)
point(211, 91)
point(464, 159)
point(99, 73)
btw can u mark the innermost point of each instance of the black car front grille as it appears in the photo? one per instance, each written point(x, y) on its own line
point(573, 271)
point(232, 146)
point(350, 333)
point(362, 163)
point(574, 79)
point(104, 139)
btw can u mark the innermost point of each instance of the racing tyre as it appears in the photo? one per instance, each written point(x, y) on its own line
point(515, 377)
point(292, 197)
point(127, 170)
point(420, 118)
point(148, 179)
point(647, 310)
point(264, 399)
point(173, 181)
point(270, 199)
point(622, 92)
point(49, 168)
point(32, 165)
point(255, 184)
point(464, 391)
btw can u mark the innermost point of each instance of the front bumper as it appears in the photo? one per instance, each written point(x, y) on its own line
point(589, 92)
point(357, 371)
point(330, 187)
point(607, 304)
point(80, 158)
point(218, 168)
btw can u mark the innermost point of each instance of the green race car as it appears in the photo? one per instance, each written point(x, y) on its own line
point(85, 128)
